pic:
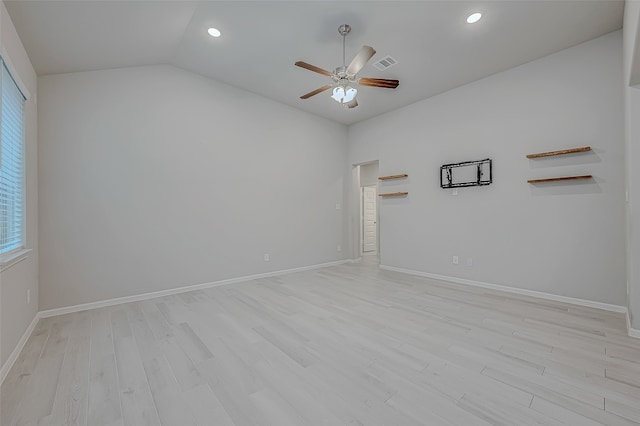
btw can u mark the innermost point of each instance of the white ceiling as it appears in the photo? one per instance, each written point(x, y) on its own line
point(435, 48)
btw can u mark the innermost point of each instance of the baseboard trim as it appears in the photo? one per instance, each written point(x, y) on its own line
point(633, 332)
point(145, 296)
point(6, 367)
point(532, 293)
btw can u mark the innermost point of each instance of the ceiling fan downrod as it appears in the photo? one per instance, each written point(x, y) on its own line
point(343, 30)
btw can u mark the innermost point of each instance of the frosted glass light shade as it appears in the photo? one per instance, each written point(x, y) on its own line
point(344, 94)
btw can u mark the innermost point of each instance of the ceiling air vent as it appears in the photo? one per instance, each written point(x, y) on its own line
point(385, 63)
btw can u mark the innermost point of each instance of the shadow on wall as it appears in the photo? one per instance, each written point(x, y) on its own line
point(395, 200)
point(577, 159)
point(575, 187)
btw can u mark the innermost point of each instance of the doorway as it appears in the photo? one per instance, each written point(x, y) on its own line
point(369, 220)
point(369, 224)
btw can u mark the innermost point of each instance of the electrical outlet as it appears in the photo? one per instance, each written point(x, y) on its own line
point(339, 248)
point(455, 260)
point(454, 191)
point(469, 262)
point(28, 296)
point(338, 206)
point(266, 257)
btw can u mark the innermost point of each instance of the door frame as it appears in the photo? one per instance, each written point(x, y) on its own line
point(356, 212)
point(362, 252)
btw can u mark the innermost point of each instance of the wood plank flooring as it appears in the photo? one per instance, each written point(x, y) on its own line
point(345, 345)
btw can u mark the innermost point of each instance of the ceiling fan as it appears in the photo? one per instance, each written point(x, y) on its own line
point(344, 77)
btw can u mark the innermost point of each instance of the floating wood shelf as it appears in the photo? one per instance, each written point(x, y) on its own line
point(557, 179)
point(393, 177)
point(561, 152)
point(394, 194)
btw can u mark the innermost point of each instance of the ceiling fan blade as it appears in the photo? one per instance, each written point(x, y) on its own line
point(360, 60)
point(352, 104)
point(378, 82)
point(312, 68)
point(315, 92)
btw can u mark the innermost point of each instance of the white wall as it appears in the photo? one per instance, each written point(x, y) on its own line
point(154, 178)
point(632, 145)
point(631, 42)
point(633, 254)
point(563, 239)
point(369, 174)
point(15, 313)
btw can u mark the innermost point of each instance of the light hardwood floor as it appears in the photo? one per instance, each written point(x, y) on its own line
point(345, 345)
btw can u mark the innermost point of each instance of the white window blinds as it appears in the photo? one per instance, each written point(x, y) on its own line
point(11, 164)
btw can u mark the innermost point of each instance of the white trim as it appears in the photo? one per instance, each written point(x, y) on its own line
point(171, 291)
point(632, 332)
point(6, 367)
point(14, 74)
point(538, 294)
point(7, 260)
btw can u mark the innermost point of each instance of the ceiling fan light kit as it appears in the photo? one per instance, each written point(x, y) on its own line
point(344, 78)
point(344, 94)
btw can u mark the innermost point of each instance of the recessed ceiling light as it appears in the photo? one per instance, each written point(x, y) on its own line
point(474, 17)
point(214, 32)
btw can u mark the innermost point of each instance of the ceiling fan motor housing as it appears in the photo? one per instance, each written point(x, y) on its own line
point(340, 75)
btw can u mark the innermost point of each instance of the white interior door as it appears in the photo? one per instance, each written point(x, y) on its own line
point(369, 219)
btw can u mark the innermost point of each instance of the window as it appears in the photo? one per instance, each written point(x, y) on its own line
point(11, 164)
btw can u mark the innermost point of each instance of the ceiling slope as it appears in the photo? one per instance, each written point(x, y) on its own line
point(435, 48)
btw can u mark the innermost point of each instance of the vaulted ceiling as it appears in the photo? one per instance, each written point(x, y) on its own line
point(435, 48)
